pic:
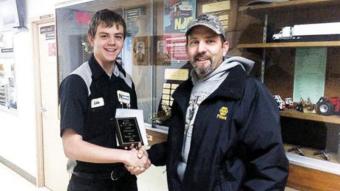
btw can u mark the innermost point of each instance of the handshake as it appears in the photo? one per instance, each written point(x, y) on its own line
point(137, 161)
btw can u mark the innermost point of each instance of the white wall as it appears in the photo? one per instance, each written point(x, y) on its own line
point(17, 137)
point(18, 129)
point(37, 8)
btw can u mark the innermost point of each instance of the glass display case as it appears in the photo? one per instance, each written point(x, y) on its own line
point(154, 51)
point(299, 59)
point(295, 44)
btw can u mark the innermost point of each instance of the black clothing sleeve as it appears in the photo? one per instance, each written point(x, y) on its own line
point(157, 154)
point(267, 164)
point(73, 104)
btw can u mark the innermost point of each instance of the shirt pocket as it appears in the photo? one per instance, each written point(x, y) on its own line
point(97, 121)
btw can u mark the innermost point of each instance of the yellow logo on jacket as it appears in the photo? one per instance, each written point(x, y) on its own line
point(223, 112)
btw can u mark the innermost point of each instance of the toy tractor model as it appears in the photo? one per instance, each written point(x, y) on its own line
point(279, 101)
point(328, 106)
point(308, 106)
point(289, 103)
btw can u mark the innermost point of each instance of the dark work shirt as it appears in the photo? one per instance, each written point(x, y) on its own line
point(88, 103)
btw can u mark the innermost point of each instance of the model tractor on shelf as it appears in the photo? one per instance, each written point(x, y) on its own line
point(280, 103)
point(328, 106)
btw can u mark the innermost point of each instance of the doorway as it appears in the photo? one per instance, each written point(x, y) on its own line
point(51, 159)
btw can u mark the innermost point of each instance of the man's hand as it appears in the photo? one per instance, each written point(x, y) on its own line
point(138, 162)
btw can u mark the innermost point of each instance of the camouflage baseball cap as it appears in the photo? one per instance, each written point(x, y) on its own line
point(209, 21)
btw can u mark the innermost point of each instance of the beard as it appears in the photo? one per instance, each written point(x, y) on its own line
point(203, 70)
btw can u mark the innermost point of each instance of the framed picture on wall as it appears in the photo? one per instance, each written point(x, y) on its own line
point(140, 52)
point(162, 53)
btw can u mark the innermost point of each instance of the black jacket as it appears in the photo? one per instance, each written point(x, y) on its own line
point(236, 142)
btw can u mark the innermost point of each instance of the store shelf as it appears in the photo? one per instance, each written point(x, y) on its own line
point(310, 116)
point(288, 4)
point(291, 44)
point(310, 153)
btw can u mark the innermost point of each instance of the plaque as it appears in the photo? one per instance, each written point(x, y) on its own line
point(128, 131)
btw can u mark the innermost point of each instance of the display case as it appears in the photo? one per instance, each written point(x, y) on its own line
point(154, 51)
point(295, 45)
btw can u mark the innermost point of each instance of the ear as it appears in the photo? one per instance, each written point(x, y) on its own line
point(225, 47)
point(90, 38)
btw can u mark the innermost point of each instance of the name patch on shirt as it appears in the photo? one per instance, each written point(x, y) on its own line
point(123, 97)
point(97, 102)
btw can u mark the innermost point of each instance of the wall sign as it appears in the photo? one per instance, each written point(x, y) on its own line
point(309, 74)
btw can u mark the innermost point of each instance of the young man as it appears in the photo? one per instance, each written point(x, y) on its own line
point(89, 98)
point(224, 130)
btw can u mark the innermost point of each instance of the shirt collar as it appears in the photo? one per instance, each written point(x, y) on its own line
point(97, 70)
point(115, 70)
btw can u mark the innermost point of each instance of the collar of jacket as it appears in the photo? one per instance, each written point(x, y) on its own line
point(231, 88)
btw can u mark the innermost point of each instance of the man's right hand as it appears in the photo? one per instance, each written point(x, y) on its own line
point(138, 161)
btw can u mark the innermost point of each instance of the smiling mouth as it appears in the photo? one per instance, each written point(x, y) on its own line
point(110, 50)
point(202, 59)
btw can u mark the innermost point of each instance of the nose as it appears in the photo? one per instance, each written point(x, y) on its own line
point(112, 40)
point(201, 47)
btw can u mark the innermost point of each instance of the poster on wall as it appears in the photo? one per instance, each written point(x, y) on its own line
point(309, 74)
point(8, 96)
point(132, 18)
point(178, 14)
point(171, 49)
point(175, 47)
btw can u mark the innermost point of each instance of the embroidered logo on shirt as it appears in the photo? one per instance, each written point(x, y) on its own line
point(97, 102)
point(223, 112)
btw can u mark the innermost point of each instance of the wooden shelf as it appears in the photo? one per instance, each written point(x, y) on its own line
point(291, 44)
point(310, 116)
point(155, 137)
point(309, 179)
point(288, 4)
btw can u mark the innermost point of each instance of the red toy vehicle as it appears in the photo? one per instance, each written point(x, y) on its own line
point(328, 106)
